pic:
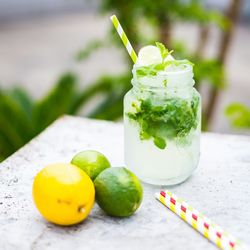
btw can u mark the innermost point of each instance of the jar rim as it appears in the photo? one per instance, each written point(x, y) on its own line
point(188, 68)
point(184, 77)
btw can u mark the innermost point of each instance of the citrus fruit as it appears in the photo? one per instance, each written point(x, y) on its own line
point(149, 55)
point(91, 161)
point(118, 191)
point(63, 193)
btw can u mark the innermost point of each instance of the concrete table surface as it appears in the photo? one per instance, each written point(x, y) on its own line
point(220, 188)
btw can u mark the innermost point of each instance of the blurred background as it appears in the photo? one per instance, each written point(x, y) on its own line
point(61, 56)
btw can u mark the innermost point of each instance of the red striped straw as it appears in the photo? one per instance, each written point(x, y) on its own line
point(198, 221)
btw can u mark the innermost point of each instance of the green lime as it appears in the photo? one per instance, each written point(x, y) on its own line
point(91, 161)
point(118, 191)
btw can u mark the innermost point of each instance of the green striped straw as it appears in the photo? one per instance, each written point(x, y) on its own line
point(124, 38)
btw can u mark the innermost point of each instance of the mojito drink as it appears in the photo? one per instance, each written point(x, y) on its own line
point(162, 118)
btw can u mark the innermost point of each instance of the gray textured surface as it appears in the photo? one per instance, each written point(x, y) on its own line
point(220, 189)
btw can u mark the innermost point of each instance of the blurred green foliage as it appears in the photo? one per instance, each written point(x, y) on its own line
point(190, 10)
point(144, 21)
point(211, 71)
point(139, 15)
point(238, 115)
point(22, 118)
point(89, 49)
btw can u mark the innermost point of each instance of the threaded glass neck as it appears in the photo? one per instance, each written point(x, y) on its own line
point(179, 78)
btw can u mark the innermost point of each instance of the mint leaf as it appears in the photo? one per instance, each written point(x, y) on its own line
point(153, 69)
point(163, 50)
point(150, 70)
point(165, 82)
point(173, 120)
point(177, 63)
point(159, 142)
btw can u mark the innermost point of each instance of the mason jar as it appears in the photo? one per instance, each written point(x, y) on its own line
point(162, 126)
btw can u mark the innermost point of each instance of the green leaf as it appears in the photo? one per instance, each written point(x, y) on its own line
point(178, 63)
point(239, 115)
point(164, 51)
point(112, 106)
point(91, 47)
point(210, 70)
point(152, 70)
point(160, 142)
point(14, 120)
point(23, 99)
point(56, 103)
point(110, 109)
point(7, 146)
point(172, 120)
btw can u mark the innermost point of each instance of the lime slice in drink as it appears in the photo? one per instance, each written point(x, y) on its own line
point(149, 55)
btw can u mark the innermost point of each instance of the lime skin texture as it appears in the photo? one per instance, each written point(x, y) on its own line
point(118, 191)
point(92, 162)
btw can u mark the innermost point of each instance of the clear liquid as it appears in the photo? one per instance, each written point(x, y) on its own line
point(168, 166)
point(147, 110)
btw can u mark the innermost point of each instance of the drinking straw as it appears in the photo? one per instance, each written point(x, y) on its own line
point(124, 38)
point(198, 221)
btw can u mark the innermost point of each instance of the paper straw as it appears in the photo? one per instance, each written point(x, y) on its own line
point(198, 221)
point(124, 38)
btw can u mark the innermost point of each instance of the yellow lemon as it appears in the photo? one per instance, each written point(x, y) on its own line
point(63, 193)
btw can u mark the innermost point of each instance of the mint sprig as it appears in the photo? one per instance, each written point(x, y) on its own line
point(173, 120)
point(164, 51)
point(153, 69)
point(178, 63)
